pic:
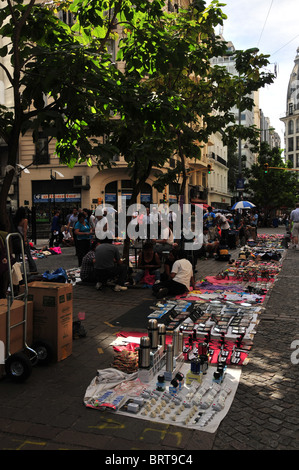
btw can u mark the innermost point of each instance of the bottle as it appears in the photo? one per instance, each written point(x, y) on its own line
point(181, 342)
point(204, 363)
point(173, 387)
point(144, 353)
point(162, 336)
point(180, 379)
point(169, 358)
point(153, 333)
point(160, 386)
point(175, 342)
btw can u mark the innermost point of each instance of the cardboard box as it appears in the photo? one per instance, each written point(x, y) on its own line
point(17, 332)
point(53, 316)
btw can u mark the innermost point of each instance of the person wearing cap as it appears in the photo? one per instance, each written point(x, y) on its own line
point(101, 224)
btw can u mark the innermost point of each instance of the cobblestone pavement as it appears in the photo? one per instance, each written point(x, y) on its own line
point(47, 412)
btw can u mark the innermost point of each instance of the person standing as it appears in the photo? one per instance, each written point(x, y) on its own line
point(55, 229)
point(166, 242)
point(209, 220)
point(83, 235)
point(224, 227)
point(21, 223)
point(73, 219)
point(294, 219)
point(101, 224)
point(253, 224)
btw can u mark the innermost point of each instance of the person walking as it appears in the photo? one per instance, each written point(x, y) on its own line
point(294, 219)
point(56, 233)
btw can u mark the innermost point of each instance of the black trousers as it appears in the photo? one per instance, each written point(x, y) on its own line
point(173, 287)
point(83, 247)
point(119, 271)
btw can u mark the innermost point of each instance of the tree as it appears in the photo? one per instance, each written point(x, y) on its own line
point(198, 98)
point(168, 100)
point(48, 59)
point(274, 189)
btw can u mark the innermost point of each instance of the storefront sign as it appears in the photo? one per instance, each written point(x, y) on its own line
point(72, 197)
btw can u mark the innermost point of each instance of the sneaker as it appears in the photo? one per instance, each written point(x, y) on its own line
point(118, 288)
point(98, 285)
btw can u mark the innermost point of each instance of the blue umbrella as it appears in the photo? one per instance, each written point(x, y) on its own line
point(243, 205)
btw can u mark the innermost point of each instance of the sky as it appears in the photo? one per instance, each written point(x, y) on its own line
point(273, 27)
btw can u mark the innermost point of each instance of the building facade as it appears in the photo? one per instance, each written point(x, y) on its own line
point(291, 118)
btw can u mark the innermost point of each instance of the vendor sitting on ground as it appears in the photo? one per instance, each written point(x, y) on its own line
point(67, 239)
point(210, 246)
point(148, 266)
point(168, 263)
point(181, 278)
point(88, 272)
point(108, 265)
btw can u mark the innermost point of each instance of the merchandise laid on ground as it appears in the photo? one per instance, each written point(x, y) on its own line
point(186, 369)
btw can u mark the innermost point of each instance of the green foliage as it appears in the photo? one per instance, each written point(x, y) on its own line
point(274, 189)
point(168, 100)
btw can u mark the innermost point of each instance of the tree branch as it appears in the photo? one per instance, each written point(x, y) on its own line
point(7, 73)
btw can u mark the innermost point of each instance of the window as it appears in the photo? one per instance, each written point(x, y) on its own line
point(290, 144)
point(297, 142)
point(297, 126)
point(291, 127)
point(41, 156)
point(291, 108)
point(297, 160)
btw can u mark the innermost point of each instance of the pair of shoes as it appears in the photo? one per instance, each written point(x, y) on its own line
point(162, 293)
point(118, 288)
point(98, 285)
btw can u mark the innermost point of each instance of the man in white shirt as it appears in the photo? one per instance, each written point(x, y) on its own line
point(101, 224)
point(181, 278)
point(166, 242)
point(224, 227)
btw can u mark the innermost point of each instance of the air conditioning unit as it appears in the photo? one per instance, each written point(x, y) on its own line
point(81, 182)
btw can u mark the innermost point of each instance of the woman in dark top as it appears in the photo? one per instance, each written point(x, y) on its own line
point(148, 263)
point(83, 234)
